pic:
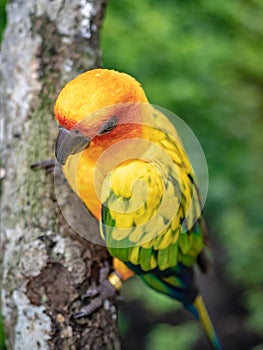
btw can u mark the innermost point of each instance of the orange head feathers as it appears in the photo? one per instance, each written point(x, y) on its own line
point(103, 106)
point(94, 90)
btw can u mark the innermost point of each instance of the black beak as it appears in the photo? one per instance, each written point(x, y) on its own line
point(69, 142)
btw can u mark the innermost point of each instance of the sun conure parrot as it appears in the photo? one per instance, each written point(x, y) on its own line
point(127, 164)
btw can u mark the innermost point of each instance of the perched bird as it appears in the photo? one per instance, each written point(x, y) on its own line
point(125, 161)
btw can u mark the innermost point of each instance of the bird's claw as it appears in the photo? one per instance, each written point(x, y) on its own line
point(92, 291)
point(105, 290)
point(90, 308)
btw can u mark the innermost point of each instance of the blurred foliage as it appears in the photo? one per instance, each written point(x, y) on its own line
point(203, 60)
point(169, 338)
point(2, 336)
point(2, 17)
point(152, 301)
point(161, 336)
point(254, 302)
point(259, 347)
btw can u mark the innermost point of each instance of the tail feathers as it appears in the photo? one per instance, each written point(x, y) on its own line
point(198, 309)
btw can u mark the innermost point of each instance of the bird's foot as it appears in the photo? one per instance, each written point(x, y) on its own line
point(93, 290)
point(109, 285)
point(104, 291)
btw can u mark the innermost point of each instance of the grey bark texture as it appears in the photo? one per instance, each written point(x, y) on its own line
point(45, 265)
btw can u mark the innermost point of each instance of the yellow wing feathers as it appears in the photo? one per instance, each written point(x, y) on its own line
point(147, 200)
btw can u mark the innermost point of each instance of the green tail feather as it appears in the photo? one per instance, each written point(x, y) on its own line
point(199, 310)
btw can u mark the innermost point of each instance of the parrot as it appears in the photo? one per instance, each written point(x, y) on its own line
point(126, 162)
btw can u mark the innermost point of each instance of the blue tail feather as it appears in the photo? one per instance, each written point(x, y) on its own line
point(198, 309)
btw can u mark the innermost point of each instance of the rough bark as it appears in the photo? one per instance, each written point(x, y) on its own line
point(45, 264)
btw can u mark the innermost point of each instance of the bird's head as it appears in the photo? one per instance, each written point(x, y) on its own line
point(99, 107)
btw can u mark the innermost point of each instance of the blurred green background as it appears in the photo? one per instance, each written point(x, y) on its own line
point(203, 60)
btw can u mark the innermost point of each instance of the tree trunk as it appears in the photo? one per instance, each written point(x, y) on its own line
point(45, 264)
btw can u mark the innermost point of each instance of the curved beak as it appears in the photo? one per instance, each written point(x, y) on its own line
point(69, 142)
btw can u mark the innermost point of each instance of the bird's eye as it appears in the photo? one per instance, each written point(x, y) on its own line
point(108, 125)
